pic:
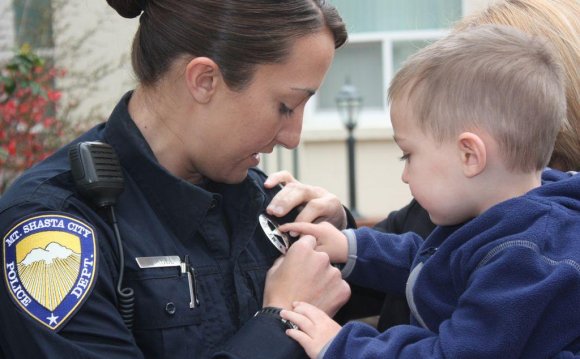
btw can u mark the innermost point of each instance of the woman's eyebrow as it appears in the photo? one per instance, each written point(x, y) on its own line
point(309, 94)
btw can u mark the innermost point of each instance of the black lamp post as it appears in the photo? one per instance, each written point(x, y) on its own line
point(349, 103)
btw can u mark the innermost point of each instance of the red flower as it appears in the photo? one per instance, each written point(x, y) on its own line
point(53, 95)
point(12, 147)
point(29, 131)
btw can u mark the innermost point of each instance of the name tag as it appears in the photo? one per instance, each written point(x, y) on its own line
point(158, 261)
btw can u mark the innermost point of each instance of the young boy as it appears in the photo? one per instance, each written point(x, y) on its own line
point(475, 115)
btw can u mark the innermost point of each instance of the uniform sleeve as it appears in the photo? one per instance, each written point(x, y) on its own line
point(262, 337)
point(34, 326)
point(520, 304)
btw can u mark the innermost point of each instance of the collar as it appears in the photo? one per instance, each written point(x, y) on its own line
point(181, 205)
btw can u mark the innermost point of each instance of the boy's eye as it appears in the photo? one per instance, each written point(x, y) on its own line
point(285, 110)
point(405, 157)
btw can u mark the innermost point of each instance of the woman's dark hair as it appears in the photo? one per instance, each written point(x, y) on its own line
point(236, 34)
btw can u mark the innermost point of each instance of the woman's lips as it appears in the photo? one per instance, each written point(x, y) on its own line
point(255, 159)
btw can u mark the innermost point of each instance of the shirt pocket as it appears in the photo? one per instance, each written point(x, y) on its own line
point(164, 324)
point(162, 299)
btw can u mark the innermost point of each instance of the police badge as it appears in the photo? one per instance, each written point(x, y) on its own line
point(50, 264)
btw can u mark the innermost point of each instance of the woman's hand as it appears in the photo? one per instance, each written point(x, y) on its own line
point(319, 205)
point(315, 328)
point(304, 274)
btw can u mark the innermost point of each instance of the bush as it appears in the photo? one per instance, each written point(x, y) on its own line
point(29, 130)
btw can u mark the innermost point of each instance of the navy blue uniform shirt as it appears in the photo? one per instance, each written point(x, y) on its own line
point(60, 269)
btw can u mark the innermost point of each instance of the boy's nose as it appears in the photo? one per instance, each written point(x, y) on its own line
point(404, 175)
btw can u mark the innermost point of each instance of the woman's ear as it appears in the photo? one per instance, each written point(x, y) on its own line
point(202, 75)
point(473, 153)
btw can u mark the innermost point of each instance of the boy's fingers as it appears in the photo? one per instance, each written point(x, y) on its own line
point(300, 320)
point(302, 338)
point(301, 227)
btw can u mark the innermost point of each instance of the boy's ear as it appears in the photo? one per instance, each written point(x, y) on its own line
point(202, 75)
point(473, 153)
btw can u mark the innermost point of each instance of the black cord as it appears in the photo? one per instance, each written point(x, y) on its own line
point(126, 295)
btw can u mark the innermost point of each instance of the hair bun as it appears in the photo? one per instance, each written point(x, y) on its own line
point(126, 8)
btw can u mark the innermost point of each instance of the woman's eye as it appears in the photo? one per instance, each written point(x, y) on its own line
point(285, 110)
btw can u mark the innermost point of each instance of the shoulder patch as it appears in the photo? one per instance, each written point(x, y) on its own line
point(50, 263)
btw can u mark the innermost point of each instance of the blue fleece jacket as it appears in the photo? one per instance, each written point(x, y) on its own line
point(503, 285)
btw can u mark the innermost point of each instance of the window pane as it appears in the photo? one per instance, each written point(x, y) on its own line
point(395, 15)
point(361, 63)
point(33, 23)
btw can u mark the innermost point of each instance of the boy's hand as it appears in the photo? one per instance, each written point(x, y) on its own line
point(315, 328)
point(328, 238)
point(318, 204)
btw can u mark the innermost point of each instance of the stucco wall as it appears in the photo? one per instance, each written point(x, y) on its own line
point(92, 42)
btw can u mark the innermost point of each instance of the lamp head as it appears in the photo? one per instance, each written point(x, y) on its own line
point(349, 103)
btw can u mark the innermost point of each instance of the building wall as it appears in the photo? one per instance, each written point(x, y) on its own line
point(6, 27)
point(470, 6)
point(93, 42)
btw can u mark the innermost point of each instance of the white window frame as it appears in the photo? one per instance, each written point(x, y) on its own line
point(316, 119)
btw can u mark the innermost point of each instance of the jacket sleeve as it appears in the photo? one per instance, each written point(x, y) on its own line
point(514, 306)
point(366, 302)
point(381, 260)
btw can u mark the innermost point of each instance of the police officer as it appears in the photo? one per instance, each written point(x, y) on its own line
point(163, 257)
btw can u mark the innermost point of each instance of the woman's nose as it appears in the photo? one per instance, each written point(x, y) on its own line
point(289, 135)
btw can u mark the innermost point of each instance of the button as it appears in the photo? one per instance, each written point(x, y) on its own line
point(170, 308)
point(213, 203)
